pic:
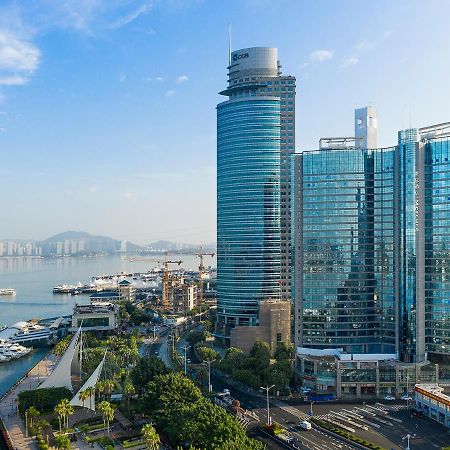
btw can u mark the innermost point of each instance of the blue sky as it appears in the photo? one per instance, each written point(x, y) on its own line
point(107, 107)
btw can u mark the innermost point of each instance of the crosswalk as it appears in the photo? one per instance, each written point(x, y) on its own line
point(290, 409)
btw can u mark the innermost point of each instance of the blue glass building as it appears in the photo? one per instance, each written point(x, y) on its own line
point(370, 247)
point(255, 135)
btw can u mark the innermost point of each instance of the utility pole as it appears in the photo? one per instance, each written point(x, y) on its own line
point(185, 348)
point(267, 389)
point(408, 437)
point(310, 408)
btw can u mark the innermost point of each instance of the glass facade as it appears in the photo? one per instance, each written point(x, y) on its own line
point(371, 247)
point(347, 250)
point(248, 208)
point(437, 246)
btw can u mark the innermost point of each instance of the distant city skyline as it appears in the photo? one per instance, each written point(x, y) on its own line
point(107, 108)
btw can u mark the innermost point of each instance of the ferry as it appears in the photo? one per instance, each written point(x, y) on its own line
point(7, 291)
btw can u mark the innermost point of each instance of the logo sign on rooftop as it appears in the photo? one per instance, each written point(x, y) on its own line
point(238, 56)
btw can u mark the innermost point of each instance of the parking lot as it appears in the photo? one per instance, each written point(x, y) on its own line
point(387, 424)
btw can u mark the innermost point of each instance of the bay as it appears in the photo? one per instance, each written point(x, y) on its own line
point(34, 279)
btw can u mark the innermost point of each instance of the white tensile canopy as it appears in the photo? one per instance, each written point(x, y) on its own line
point(90, 382)
point(61, 375)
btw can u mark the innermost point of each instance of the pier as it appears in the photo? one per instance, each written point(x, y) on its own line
point(9, 414)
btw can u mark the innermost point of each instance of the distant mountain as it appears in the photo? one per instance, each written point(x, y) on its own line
point(82, 243)
point(78, 235)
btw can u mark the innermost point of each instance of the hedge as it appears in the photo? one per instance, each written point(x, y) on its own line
point(44, 400)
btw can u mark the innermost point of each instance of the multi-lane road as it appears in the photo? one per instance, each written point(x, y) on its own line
point(428, 435)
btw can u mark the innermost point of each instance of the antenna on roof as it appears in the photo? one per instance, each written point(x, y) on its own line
point(229, 43)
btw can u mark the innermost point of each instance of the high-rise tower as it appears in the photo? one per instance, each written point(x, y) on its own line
point(255, 136)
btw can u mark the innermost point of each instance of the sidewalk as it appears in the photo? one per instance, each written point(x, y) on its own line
point(8, 405)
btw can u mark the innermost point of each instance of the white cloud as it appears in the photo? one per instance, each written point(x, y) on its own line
point(151, 32)
point(159, 78)
point(17, 54)
point(321, 55)
point(93, 189)
point(350, 62)
point(122, 77)
point(125, 20)
point(170, 93)
point(2, 130)
point(13, 80)
point(182, 79)
point(128, 195)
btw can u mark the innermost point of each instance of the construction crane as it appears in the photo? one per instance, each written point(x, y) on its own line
point(166, 262)
point(201, 271)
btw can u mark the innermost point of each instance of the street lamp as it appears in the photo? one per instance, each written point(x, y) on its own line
point(408, 437)
point(208, 363)
point(267, 389)
point(310, 408)
point(185, 348)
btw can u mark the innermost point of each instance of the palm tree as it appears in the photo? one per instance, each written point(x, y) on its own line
point(151, 437)
point(91, 392)
point(100, 386)
point(69, 411)
point(60, 411)
point(110, 412)
point(109, 386)
point(83, 396)
point(103, 407)
point(32, 412)
point(129, 391)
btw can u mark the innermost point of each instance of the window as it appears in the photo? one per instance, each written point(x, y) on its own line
point(278, 337)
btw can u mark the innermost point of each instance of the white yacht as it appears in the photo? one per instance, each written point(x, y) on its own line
point(10, 350)
point(7, 291)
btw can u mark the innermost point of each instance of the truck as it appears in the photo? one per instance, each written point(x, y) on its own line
point(305, 425)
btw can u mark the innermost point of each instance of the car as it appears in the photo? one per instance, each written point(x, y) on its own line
point(406, 398)
point(305, 425)
point(389, 398)
point(305, 389)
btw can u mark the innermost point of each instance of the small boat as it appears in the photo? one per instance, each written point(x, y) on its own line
point(7, 291)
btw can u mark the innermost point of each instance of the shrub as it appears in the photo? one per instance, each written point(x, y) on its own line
point(43, 399)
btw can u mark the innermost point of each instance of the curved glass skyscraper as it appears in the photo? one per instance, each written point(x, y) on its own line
point(248, 187)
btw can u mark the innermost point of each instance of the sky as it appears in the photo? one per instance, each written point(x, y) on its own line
point(107, 107)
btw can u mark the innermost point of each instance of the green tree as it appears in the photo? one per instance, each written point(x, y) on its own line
point(32, 413)
point(103, 408)
point(83, 396)
point(60, 411)
point(194, 337)
point(284, 351)
point(128, 391)
point(146, 370)
point(261, 353)
point(207, 354)
point(91, 394)
point(62, 441)
point(150, 437)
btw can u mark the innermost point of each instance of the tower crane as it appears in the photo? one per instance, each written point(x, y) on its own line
point(201, 271)
point(166, 262)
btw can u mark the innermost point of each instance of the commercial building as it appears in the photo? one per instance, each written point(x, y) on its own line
point(97, 316)
point(433, 403)
point(274, 327)
point(370, 244)
point(255, 136)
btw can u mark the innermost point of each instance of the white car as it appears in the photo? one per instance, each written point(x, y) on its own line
point(406, 398)
point(389, 398)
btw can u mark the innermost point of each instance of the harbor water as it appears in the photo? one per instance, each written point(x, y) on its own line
point(34, 279)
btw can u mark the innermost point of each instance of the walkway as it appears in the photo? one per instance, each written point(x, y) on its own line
point(8, 405)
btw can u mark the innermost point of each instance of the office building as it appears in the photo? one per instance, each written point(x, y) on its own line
point(255, 136)
point(371, 244)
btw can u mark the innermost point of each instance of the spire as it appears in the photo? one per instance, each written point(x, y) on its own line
point(229, 43)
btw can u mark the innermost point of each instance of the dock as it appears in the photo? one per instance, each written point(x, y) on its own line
point(9, 414)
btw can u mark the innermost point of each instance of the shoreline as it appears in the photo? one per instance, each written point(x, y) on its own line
point(6, 439)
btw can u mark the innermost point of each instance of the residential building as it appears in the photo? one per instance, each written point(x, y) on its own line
point(255, 136)
point(127, 292)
